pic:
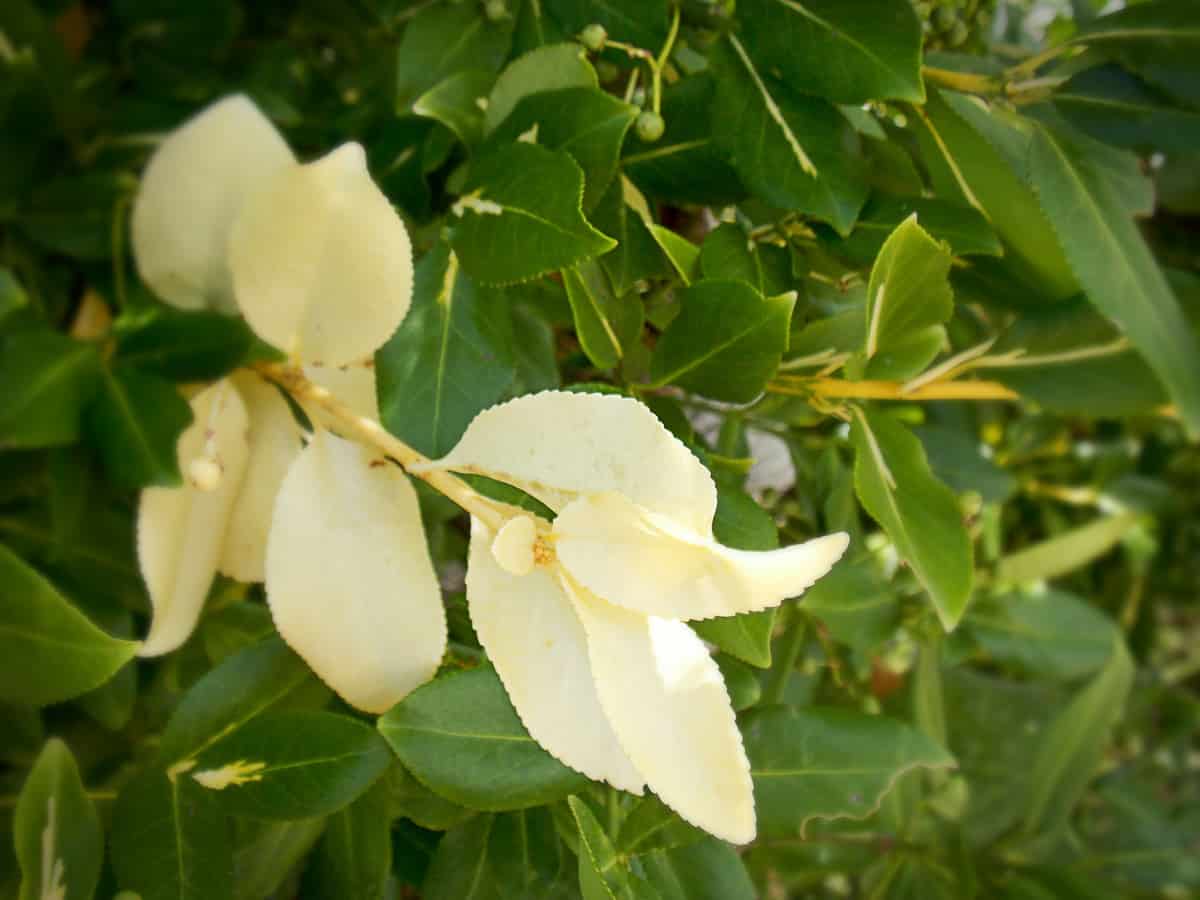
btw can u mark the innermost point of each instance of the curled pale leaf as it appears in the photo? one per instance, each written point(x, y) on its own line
point(666, 700)
point(190, 194)
point(274, 440)
point(538, 646)
point(645, 562)
point(349, 579)
point(322, 265)
point(180, 531)
point(558, 444)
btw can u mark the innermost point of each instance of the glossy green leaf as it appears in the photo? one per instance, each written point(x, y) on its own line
point(605, 323)
point(262, 677)
point(446, 38)
point(708, 869)
point(48, 379)
point(963, 228)
point(919, 513)
point(603, 875)
point(726, 342)
point(651, 826)
point(135, 420)
point(458, 103)
point(637, 255)
point(292, 765)
point(683, 254)
point(59, 842)
point(354, 858)
point(184, 345)
point(1117, 270)
point(848, 52)
point(170, 840)
point(1067, 551)
point(544, 69)
point(460, 736)
point(727, 253)
point(642, 23)
point(1073, 746)
point(829, 763)
point(112, 703)
point(1118, 108)
point(412, 800)
point(49, 651)
point(520, 216)
point(794, 151)
point(452, 356)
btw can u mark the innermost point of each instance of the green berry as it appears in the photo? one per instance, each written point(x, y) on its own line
point(495, 10)
point(650, 127)
point(594, 37)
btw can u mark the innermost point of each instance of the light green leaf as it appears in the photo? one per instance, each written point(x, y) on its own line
point(460, 736)
point(354, 858)
point(637, 255)
point(135, 420)
point(446, 38)
point(458, 103)
point(846, 52)
point(602, 874)
point(829, 763)
point(265, 676)
point(12, 295)
point(605, 323)
point(291, 765)
point(796, 152)
point(1072, 747)
point(956, 459)
point(1067, 551)
point(170, 840)
point(451, 357)
point(683, 254)
point(919, 513)
point(47, 378)
point(59, 842)
point(520, 216)
point(1117, 270)
point(49, 651)
point(544, 69)
point(726, 342)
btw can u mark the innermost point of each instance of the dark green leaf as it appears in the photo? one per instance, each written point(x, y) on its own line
point(829, 763)
point(412, 800)
point(918, 512)
point(520, 216)
point(266, 853)
point(848, 52)
point(112, 703)
point(446, 38)
point(708, 869)
point(455, 103)
point(642, 23)
point(544, 69)
point(48, 379)
point(354, 857)
point(135, 421)
point(793, 151)
point(605, 324)
point(650, 826)
point(637, 255)
point(727, 253)
point(955, 458)
point(460, 736)
point(602, 874)
point(726, 342)
point(855, 604)
point(60, 845)
point(74, 215)
point(451, 358)
point(12, 295)
point(1118, 108)
point(962, 227)
point(184, 345)
point(49, 651)
point(292, 765)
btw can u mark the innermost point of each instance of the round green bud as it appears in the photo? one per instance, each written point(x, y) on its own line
point(650, 126)
point(495, 10)
point(594, 37)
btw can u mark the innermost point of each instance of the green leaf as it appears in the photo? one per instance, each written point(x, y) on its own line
point(74, 215)
point(265, 676)
point(726, 342)
point(708, 869)
point(855, 604)
point(642, 23)
point(292, 765)
point(1048, 635)
point(683, 254)
point(544, 69)
point(727, 253)
point(602, 874)
point(170, 840)
point(1117, 270)
point(59, 842)
point(845, 52)
point(12, 295)
point(520, 216)
point(1073, 746)
point(1067, 551)
point(1118, 108)
point(740, 680)
point(460, 736)
point(184, 345)
point(354, 858)
point(451, 358)
point(412, 800)
point(963, 228)
point(918, 512)
point(908, 300)
point(536, 353)
point(458, 102)
point(135, 421)
point(443, 39)
point(793, 151)
point(112, 703)
point(49, 651)
point(586, 122)
point(48, 379)
point(651, 826)
point(956, 459)
point(605, 323)
point(266, 853)
point(622, 212)
point(829, 763)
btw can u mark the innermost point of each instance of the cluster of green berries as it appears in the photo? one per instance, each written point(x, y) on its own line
point(954, 24)
point(649, 124)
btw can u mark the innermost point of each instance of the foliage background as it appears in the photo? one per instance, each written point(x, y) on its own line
point(1066, 696)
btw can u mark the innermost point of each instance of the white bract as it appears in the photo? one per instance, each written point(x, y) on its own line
point(319, 263)
point(584, 617)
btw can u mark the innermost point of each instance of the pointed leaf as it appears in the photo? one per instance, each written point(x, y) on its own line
point(444, 39)
point(48, 379)
point(544, 69)
point(458, 103)
point(602, 875)
point(185, 345)
point(605, 323)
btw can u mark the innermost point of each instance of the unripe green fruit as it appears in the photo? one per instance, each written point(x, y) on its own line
point(495, 10)
point(650, 127)
point(594, 37)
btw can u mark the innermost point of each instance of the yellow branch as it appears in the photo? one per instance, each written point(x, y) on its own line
point(892, 390)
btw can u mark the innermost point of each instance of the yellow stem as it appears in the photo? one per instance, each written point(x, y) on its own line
point(961, 81)
point(292, 379)
point(891, 390)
